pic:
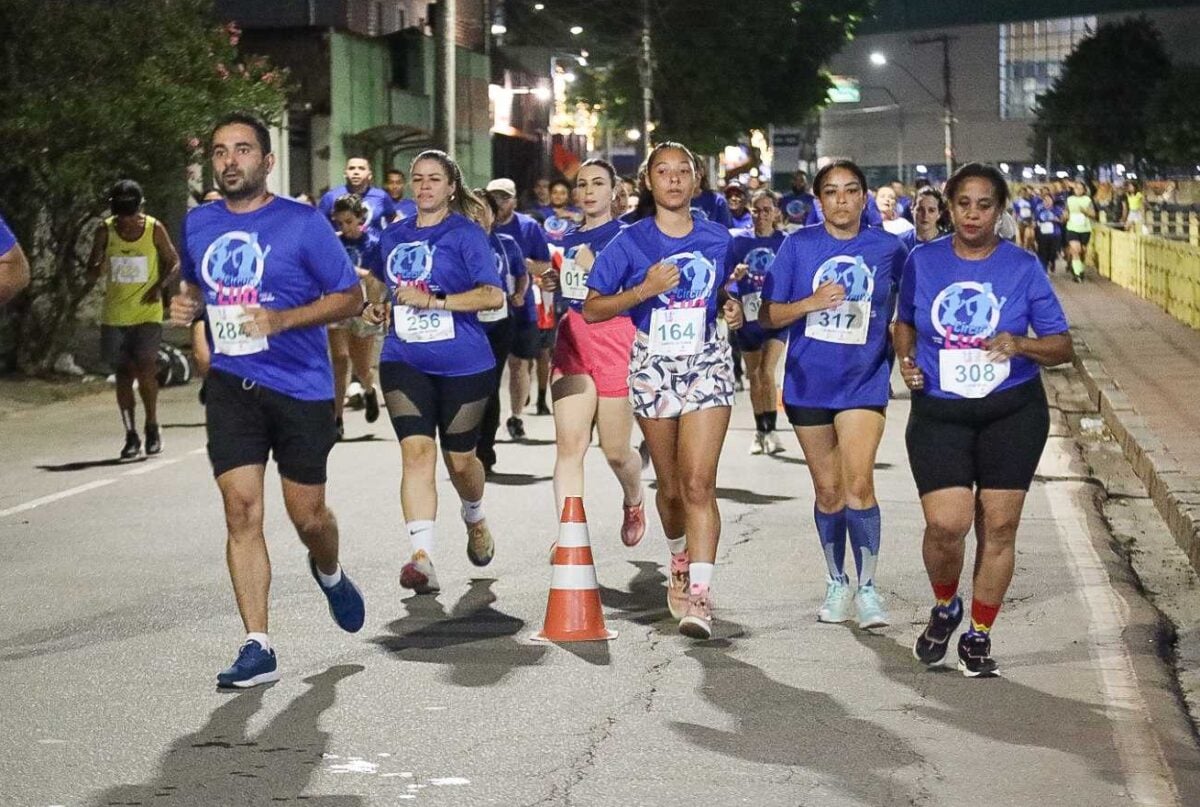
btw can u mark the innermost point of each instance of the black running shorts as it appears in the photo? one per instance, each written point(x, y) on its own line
point(814, 416)
point(991, 443)
point(247, 422)
point(448, 406)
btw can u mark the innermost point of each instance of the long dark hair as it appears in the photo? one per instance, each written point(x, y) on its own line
point(943, 216)
point(645, 206)
point(463, 200)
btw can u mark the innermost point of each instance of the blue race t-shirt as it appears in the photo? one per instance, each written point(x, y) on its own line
point(1022, 209)
point(838, 358)
point(450, 257)
point(596, 239)
point(954, 304)
point(510, 266)
point(405, 208)
point(1051, 217)
point(758, 253)
point(532, 240)
point(742, 222)
point(357, 249)
point(7, 239)
point(700, 256)
point(380, 209)
point(797, 206)
point(713, 207)
point(281, 256)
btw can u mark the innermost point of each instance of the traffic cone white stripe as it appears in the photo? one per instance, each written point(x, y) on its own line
point(571, 534)
point(574, 578)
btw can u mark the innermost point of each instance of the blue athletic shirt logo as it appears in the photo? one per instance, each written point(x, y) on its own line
point(966, 314)
point(501, 268)
point(556, 227)
point(697, 277)
point(409, 264)
point(851, 273)
point(698, 213)
point(759, 260)
point(233, 266)
point(796, 210)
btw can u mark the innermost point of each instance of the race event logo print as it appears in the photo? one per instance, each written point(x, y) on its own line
point(796, 210)
point(759, 260)
point(966, 314)
point(409, 264)
point(233, 266)
point(851, 273)
point(697, 278)
point(557, 227)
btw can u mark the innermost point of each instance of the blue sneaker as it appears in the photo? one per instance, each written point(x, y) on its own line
point(975, 656)
point(930, 647)
point(253, 666)
point(346, 604)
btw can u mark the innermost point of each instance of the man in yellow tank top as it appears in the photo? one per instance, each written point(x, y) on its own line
point(134, 254)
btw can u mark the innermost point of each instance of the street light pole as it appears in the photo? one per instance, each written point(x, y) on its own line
point(947, 99)
point(646, 69)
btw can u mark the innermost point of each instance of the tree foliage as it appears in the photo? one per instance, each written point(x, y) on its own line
point(94, 91)
point(1096, 111)
point(1174, 117)
point(719, 68)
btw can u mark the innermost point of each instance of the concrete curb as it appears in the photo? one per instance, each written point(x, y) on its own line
point(1174, 491)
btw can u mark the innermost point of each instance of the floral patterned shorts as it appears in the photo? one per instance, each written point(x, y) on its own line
point(670, 386)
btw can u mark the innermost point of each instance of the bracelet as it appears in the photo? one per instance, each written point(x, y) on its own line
point(637, 292)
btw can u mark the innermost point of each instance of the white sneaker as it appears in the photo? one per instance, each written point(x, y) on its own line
point(757, 447)
point(870, 608)
point(771, 443)
point(839, 598)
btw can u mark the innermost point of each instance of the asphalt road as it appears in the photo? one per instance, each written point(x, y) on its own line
point(118, 614)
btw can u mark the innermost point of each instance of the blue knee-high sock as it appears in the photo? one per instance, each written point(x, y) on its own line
point(831, 529)
point(864, 529)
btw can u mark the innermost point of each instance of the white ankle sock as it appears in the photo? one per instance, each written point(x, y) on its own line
point(472, 512)
point(700, 574)
point(420, 535)
point(261, 638)
point(330, 580)
point(677, 545)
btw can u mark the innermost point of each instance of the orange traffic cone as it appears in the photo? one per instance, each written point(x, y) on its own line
point(573, 611)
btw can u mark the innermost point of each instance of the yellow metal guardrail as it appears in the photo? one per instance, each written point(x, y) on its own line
point(1164, 272)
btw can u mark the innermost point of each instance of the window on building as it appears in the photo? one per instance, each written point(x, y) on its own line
point(1031, 57)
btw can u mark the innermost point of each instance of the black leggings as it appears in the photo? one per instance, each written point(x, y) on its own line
point(448, 406)
point(991, 443)
point(500, 337)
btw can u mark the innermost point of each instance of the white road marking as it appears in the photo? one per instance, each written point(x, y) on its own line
point(54, 497)
point(1147, 774)
point(143, 468)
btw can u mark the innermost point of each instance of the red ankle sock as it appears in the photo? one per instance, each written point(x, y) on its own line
point(983, 615)
point(944, 592)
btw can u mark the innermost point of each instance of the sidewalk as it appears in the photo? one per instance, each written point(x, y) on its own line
point(1142, 369)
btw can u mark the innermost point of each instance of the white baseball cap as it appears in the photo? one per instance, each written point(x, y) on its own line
point(502, 185)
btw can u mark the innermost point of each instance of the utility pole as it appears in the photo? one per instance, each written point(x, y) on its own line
point(947, 99)
point(646, 70)
point(445, 74)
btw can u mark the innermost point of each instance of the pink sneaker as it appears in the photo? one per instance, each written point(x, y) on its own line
point(697, 622)
point(418, 574)
point(677, 585)
point(634, 525)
